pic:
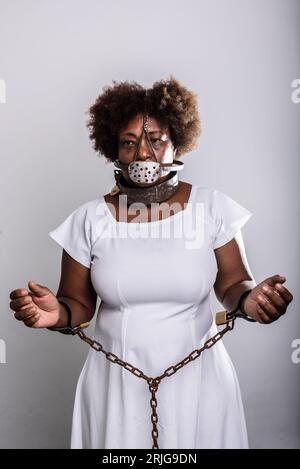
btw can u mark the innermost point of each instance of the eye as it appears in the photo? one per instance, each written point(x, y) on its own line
point(156, 140)
point(128, 143)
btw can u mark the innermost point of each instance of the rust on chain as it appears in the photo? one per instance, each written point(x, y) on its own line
point(153, 383)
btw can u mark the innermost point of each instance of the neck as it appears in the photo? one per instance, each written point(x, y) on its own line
point(156, 193)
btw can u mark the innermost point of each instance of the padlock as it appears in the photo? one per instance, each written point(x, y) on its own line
point(221, 318)
point(84, 325)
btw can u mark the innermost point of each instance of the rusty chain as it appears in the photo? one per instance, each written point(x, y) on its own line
point(153, 383)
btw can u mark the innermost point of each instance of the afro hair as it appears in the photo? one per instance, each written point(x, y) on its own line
point(167, 101)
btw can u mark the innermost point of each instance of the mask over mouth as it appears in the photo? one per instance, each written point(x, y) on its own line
point(145, 173)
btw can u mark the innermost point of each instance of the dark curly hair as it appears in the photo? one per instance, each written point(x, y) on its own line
point(167, 101)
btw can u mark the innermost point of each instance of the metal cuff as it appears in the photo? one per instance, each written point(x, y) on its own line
point(69, 330)
point(224, 317)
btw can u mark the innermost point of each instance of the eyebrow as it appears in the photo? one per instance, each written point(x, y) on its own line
point(134, 135)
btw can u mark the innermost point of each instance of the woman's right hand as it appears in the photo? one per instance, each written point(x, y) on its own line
point(37, 306)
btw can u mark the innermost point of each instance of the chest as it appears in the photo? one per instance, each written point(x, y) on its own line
point(146, 269)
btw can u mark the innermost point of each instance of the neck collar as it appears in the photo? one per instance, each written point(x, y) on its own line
point(147, 195)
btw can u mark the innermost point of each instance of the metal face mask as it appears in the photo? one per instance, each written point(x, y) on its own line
point(144, 173)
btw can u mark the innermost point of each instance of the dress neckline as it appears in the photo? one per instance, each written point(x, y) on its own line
point(154, 222)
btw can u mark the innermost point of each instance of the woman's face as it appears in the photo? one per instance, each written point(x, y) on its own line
point(160, 139)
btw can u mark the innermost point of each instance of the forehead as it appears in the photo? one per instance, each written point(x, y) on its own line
point(136, 124)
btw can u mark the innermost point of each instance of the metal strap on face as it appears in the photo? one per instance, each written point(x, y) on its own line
point(145, 130)
point(153, 383)
point(176, 165)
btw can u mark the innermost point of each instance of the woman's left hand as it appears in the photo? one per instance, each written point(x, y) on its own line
point(268, 300)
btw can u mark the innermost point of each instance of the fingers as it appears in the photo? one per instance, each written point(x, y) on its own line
point(21, 303)
point(29, 316)
point(275, 279)
point(32, 320)
point(26, 313)
point(267, 308)
point(38, 290)
point(284, 292)
point(275, 298)
point(18, 293)
point(274, 301)
point(264, 319)
point(25, 309)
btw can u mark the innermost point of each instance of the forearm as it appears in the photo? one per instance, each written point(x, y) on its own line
point(233, 294)
point(80, 313)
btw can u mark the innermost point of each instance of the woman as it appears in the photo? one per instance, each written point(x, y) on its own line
point(154, 280)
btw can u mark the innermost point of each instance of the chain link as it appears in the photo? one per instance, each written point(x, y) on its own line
point(154, 382)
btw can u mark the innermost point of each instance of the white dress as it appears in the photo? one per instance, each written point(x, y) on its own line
point(154, 281)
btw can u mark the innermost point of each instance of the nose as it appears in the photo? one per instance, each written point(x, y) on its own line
point(145, 152)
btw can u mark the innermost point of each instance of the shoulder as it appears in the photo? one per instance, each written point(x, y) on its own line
point(89, 217)
point(207, 192)
point(90, 208)
point(218, 205)
point(206, 195)
point(214, 198)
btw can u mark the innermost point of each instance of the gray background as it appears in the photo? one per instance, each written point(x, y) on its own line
point(240, 57)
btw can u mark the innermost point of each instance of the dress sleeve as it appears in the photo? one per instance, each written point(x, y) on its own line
point(73, 234)
point(229, 217)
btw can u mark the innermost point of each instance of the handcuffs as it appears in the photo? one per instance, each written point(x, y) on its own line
point(69, 329)
point(223, 317)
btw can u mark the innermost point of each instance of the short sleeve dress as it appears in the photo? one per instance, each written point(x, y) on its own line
point(154, 280)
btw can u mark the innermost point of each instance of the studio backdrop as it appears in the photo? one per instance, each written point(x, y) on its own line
point(242, 58)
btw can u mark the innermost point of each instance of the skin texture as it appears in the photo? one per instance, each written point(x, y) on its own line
point(160, 139)
point(38, 307)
